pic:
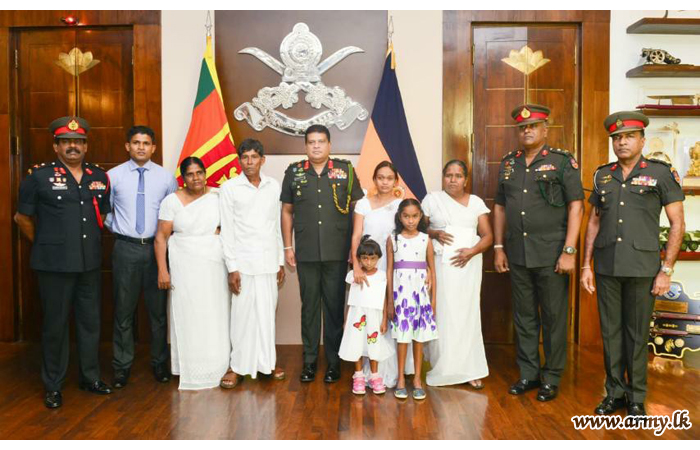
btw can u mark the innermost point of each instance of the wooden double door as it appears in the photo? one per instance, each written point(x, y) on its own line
point(46, 87)
point(513, 65)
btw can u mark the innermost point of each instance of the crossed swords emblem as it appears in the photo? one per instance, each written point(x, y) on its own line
point(301, 69)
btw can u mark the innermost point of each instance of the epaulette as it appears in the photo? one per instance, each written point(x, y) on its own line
point(606, 165)
point(297, 163)
point(36, 167)
point(508, 154)
point(660, 161)
point(561, 152)
point(346, 161)
point(96, 166)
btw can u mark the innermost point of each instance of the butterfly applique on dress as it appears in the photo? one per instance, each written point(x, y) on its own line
point(361, 324)
point(372, 338)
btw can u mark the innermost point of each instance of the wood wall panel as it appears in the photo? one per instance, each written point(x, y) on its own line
point(89, 18)
point(147, 80)
point(593, 141)
point(7, 307)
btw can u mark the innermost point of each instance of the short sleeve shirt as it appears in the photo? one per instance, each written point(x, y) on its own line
point(627, 244)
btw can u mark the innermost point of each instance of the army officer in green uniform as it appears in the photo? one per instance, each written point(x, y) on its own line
point(537, 217)
point(317, 196)
point(623, 240)
point(60, 210)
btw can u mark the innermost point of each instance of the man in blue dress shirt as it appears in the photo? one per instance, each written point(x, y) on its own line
point(138, 187)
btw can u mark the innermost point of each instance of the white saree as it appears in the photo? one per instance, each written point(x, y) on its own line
point(199, 299)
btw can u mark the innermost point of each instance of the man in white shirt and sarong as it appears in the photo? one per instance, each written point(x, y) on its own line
point(252, 239)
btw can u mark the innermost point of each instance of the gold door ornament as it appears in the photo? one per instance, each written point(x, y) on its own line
point(525, 60)
point(76, 62)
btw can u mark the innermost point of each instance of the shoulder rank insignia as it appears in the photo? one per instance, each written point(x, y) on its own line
point(507, 155)
point(676, 176)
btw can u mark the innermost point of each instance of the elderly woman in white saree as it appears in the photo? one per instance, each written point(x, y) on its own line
point(461, 232)
point(188, 227)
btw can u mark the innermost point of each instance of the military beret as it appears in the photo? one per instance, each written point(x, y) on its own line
point(530, 113)
point(623, 121)
point(69, 127)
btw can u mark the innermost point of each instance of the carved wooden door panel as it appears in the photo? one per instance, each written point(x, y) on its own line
point(47, 88)
point(515, 65)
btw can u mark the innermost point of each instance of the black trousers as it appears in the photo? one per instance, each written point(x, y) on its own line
point(625, 305)
point(134, 270)
point(540, 297)
point(59, 292)
point(322, 287)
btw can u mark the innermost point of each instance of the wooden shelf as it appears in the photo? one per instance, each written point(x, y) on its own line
point(649, 112)
point(654, 25)
point(691, 190)
point(685, 256)
point(664, 71)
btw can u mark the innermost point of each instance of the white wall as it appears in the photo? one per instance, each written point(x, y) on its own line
point(419, 70)
point(625, 51)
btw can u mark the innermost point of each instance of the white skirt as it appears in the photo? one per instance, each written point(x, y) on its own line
point(361, 336)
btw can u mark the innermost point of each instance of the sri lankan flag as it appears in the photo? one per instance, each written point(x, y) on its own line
point(209, 137)
point(388, 137)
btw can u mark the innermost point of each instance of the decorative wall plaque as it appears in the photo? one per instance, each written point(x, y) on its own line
point(281, 71)
point(301, 69)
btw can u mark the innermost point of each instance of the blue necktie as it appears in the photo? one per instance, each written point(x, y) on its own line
point(141, 203)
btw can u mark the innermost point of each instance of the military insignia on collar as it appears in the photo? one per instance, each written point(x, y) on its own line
point(525, 113)
point(644, 180)
point(643, 165)
point(619, 123)
point(545, 167)
point(573, 162)
point(73, 125)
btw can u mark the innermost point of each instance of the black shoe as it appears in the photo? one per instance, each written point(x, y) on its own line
point(308, 373)
point(161, 373)
point(53, 399)
point(121, 378)
point(332, 374)
point(97, 387)
point(609, 405)
point(636, 409)
point(523, 386)
point(547, 392)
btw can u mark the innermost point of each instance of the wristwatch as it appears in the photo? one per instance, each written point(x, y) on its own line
point(667, 270)
point(569, 250)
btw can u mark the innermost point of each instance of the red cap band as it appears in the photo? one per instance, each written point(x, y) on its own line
point(64, 130)
point(533, 115)
point(626, 124)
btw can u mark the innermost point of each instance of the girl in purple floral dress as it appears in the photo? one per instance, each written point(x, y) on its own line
point(409, 261)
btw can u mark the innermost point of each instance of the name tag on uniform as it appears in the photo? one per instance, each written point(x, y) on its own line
point(97, 186)
point(337, 174)
point(644, 180)
point(545, 168)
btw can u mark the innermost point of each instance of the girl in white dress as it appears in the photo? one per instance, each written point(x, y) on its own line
point(458, 356)
point(188, 228)
point(366, 321)
point(374, 215)
point(409, 262)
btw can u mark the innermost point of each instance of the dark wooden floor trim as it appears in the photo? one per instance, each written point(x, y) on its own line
point(458, 106)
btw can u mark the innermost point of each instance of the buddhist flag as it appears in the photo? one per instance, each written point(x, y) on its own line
point(209, 137)
point(388, 137)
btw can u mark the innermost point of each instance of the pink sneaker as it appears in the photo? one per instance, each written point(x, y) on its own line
point(358, 384)
point(377, 385)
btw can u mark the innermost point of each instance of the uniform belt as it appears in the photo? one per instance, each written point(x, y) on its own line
point(142, 241)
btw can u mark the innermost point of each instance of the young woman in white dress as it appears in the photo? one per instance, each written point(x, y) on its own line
point(374, 215)
point(458, 356)
point(188, 230)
